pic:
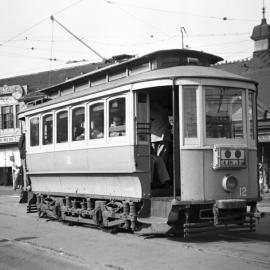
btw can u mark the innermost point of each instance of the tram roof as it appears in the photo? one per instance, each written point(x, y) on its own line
point(207, 58)
point(177, 72)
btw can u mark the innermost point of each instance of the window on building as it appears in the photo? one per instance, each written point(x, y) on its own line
point(62, 127)
point(78, 122)
point(47, 128)
point(96, 112)
point(117, 117)
point(224, 113)
point(34, 131)
point(251, 110)
point(190, 111)
point(7, 117)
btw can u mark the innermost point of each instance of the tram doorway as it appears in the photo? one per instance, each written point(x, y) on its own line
point(162, 150)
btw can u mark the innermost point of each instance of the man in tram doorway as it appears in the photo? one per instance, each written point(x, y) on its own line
point(160, 140)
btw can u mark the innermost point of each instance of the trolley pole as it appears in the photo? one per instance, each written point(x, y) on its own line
point(54, 20)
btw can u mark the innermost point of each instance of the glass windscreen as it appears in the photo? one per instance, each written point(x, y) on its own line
point(224, 112)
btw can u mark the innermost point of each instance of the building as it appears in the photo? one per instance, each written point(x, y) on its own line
point(258, 69)
point(10, 130)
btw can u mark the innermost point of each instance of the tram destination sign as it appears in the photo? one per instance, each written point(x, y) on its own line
point(226, 157)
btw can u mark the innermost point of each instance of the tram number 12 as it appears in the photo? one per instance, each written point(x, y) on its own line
point(243, 191)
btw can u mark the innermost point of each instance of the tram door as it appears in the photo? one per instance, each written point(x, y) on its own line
point(142, 139)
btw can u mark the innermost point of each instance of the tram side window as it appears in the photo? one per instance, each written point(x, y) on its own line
point(96, 112)
point(62, 127)
point(224, 112)
point(117, 117)
point(78, 122)
point(47, 128)
point(251, 105)
point(143, 126)
point(34, 131)
point(190, 111)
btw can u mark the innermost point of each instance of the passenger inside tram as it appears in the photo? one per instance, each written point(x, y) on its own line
point(97, 133)
point(79, 133)
point(117, 127)
point(161, 139)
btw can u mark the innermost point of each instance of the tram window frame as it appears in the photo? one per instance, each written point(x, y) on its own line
point(184, 139)
point(108, 120)
point(58, 126)
point(231, 140)
point(50, 142)
point(142, 118)
point(73, 137)
point(36, 145)
point(90, 132)
point(251, 128)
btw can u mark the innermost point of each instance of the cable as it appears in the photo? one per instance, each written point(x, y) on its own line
point(38, 23)
point(139, 19)
point(177, 12)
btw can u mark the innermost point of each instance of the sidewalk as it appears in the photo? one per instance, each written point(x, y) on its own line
point(8, 190)
point(264, 204)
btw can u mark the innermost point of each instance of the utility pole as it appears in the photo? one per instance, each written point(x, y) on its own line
point(54, 20)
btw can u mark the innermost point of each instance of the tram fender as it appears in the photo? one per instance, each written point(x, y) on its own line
point(174, 215)
point(145, 211)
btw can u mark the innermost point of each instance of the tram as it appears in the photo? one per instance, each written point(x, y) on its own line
point(89, 155)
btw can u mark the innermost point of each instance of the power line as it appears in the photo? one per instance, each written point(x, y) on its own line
point(177, 12)
point(139, 19)
point(39, 22)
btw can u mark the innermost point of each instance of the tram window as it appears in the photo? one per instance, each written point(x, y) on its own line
point(34, 131)
point(78, 121)
point(117, 117)
point(224, 112)
point(47, 128)
point(143, 126)
point(62, 127)
point(96, 112)
point(190, 111)
point(251, 102)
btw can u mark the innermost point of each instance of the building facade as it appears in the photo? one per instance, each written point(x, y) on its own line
point(10, 130)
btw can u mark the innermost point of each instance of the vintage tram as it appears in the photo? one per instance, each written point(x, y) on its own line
point(89, 154)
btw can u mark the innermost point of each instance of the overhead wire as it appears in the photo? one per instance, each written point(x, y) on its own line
point(39, 22)
point(137, 18)
point(177, 12)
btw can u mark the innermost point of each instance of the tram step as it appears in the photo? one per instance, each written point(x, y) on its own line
point(160, 207)
point(31, 208)
point(153, 220)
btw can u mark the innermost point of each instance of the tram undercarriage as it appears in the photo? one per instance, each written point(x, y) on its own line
point(166, 215)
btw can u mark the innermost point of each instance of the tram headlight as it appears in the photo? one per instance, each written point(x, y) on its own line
point(229, 183)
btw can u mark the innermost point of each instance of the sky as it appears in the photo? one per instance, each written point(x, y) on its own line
point(31, 42)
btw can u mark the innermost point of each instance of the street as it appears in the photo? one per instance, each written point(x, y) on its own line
point(29, 242)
